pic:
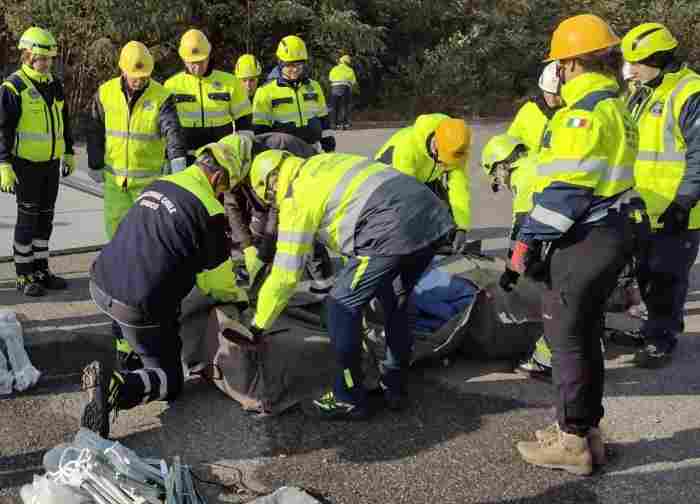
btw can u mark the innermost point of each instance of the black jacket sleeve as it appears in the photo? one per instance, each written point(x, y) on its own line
point(176, 146)
point(10, 110)
point(689, 121)
point(216, 244)
point(96, 135)
point(261, 129)
point(67, 130)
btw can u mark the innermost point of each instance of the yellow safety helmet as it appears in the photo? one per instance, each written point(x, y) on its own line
point(247, 67)
point(645, 40)
point(345, 59)
point(498, 149)
point(452, 138)
point(39, 41)
point(194, 46)
point(263, 165)
point(579, 35)
point(242, 146)
point(135, 60)
point(226, 157)
point(292, 48)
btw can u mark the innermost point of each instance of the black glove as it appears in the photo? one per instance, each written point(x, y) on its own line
point(675, 218)
point(257, 332)
point(508, 279)
point(328, 144)
point(459, 241)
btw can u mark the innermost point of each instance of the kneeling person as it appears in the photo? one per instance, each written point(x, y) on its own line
point(175, 230)
point(385, 223)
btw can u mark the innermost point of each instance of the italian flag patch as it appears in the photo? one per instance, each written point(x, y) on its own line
point(576, 122)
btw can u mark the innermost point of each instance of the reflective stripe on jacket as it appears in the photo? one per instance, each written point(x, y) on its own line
point(278, 105)
point(661, 163)
point(342, 75)
point(209, 102)
point(134, 147)
point(586, 161)
point(408, 150)
point(39, 134)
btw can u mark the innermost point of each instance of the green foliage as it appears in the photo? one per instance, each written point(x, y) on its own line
point(460, 56)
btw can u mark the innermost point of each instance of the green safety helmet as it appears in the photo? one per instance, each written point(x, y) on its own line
point(263, 165)
point(247, 67)
point(242, 146)
point(498, 149)
point(39, 41)
point(292, 48)
point(225, 156)
point(645, 40)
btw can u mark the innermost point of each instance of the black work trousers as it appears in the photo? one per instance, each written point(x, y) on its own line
point(36, 190)
point(340, 104)
point(583, 273)
point(156, 342)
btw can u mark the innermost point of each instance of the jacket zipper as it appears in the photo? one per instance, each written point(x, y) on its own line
point(301, 117)
point(53, 131)
point(201, 102)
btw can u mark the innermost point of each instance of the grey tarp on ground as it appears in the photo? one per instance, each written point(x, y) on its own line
point(298, 361)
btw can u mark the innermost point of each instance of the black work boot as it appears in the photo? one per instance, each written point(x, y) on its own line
point(656, 353)
point(50, 281)
point(393, 387)
point(103, 390)
point(29, 286)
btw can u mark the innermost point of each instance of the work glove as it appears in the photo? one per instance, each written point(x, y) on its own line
point(8, 179)
point(67, 165)
point(524, 256)
point(178, 164)
point(97, 176)
point(241, 275)
point(675, 218)
point(459, 242)
point(256, 332)
point(508, 279)
point(328, 144)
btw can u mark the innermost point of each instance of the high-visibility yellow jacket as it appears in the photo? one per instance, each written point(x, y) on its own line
point(342, 75)
point(529, 125)
point(586, 163)
point(522, 183)
point(34, 125)
point(220, 284)
point(296, 108)
point(666, 169)
point(135, 135)
point(353, 205)
point(408, 150)
point(208, 106)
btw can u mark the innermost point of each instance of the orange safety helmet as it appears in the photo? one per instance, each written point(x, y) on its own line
point(582, 34)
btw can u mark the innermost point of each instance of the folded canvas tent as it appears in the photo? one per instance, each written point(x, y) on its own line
point(298, 361)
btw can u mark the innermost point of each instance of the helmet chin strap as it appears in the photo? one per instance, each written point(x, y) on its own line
point(561, 75)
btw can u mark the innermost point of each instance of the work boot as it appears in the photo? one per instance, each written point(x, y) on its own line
point(50, 281)
point(656, 354)
point(127, 359)
point(101, 398)
point(533, 369)
point(594, 436)
point(329, 407)
point(28, 286)
point(565, 451)
point(394, 390)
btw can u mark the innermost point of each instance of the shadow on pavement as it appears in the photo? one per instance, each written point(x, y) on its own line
point(77, 291)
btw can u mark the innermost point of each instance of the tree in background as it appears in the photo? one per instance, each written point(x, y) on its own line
point(411, 56)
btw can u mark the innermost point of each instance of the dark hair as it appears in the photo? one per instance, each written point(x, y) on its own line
point(607, 61)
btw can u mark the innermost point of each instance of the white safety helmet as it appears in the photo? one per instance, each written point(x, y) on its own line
point(626, 71)
point(549, 80)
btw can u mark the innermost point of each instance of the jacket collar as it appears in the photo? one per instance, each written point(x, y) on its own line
point(36, 76)
point(579, 87)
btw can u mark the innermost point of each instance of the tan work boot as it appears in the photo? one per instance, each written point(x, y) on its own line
point(566, 451)
point(595, 441)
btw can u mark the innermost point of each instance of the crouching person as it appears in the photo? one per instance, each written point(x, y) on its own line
point(175, 230)
point(387, 226)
